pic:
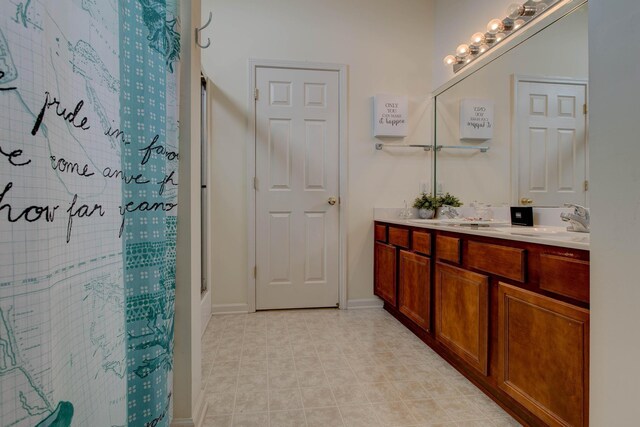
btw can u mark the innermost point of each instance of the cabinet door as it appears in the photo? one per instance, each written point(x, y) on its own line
point(544, 355)
point(385, 272)
point(462, 314)
point(414, 288)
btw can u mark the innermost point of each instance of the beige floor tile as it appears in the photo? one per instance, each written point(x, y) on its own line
point(220, 403)
point(317, 397)
point(315, 378)
point(251, 401)
point(250, 361)
point(440, 388)
point(410, 390)
point(350, 394)
point(287, 419)
point(323, 417)
point(370, 374)
point(393, 414)
point(460, 409)
point(221, 384)
point(427, 411)
point(307, 363)
point(251, 420)
point(286, 399)
point(340, 376)
point(381, 392)
point(281, 365)
point(252, 382)
point(218, 421)
point(359, 416)
point(282, 380)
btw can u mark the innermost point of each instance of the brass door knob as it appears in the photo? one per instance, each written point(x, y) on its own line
point(332, 201)
point(526, 201)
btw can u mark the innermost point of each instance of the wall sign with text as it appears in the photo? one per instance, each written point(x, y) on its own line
point(476, 119)
point(390, 115)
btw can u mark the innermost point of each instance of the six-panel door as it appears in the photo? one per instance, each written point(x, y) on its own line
point(414, 288)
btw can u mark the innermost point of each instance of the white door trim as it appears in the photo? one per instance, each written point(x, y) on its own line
point(515, 148)
point(251, 170)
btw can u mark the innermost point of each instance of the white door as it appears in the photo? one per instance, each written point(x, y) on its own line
point(552, 138)
point(297, 171)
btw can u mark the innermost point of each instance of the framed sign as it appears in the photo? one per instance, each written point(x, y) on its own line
point(476, 119)
point(390, 115)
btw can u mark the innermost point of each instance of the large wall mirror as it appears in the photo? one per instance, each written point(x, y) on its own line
point(538, 151)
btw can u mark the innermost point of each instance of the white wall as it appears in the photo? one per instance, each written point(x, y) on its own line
point(614, 34)
point(388, 48)
point(456, 21)
point(560, 50)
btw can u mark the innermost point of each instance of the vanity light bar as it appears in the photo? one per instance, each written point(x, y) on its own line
point(518, 15)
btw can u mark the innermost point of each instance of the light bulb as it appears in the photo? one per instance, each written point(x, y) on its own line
point(494, 26)
point(489, 38)
point(515, 10)
point(500, 37)
point(450, 60)
point(462, 51)
point(477, 38)
point(483, 48)
point(518, 23)
point(507, 24)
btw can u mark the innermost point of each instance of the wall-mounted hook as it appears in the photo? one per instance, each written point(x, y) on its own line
point(202, 28)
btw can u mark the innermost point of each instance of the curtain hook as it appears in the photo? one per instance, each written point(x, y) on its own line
point(202, 28)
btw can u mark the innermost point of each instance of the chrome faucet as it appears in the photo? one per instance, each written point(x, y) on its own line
point(449, 211)
point(578, 220)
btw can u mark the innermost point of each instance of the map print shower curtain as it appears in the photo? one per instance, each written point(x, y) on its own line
point(88, 193)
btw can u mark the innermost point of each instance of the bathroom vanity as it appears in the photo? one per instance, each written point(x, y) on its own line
point(508, 309)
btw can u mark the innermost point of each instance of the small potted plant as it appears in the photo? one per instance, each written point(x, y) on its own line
point(426, 205)
point(446, 200)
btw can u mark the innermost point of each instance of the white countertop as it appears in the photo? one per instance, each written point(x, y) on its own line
point(543, 235)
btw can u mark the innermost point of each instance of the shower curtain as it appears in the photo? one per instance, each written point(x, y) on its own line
point(88, 194)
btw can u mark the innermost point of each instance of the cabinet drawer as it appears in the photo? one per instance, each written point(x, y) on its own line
point(448, 249)
point(421, 242)
point(499, 260)
point(399, 237)
point(381, 233)
point(565, 276)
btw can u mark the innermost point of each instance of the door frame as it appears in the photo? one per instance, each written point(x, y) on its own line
point(516, 79)
point(342, 70)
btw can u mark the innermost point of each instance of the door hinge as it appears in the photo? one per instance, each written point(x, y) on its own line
point(255, 272)
point(585, 109)
point(586, 186)
point(256, 94)
point(337, 305)
point(255, 183)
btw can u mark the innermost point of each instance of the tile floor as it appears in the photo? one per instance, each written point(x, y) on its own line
point(332, 368)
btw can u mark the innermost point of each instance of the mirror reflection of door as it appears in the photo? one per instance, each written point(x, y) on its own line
point(551, 133)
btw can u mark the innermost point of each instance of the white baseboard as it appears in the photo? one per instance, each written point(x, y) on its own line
point(374, 302)
point(199, 414)
point(229, 309)
point(205, 311)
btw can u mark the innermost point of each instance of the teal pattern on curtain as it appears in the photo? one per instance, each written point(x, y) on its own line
point(88, 204)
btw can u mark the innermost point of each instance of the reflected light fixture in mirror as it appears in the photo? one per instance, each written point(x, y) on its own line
point(518, 15)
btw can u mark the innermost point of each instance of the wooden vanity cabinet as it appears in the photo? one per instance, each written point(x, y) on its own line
point(462, 314)
point(511, 316)
point(414, 288)
point(543, 355)
point(385, 272)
